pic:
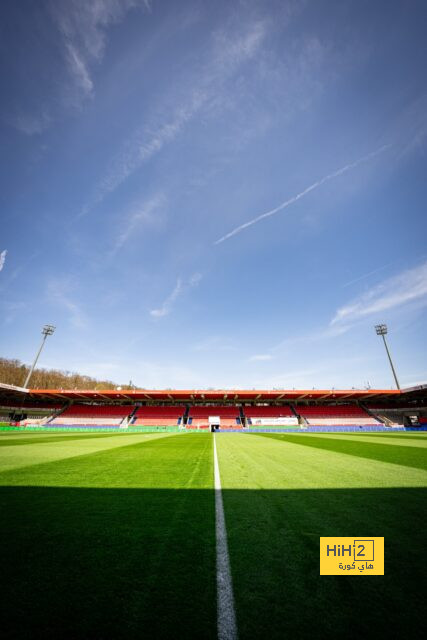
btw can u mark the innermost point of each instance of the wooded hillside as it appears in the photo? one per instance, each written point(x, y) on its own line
point(14, 372)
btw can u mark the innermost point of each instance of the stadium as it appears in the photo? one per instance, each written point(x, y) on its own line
point(198, 513)
point(213, 313)
point(231, 410)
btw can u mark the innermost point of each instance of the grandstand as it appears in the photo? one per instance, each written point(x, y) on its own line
point(32, 413)
point(336, 415)
point(271, 416)
point(158, 416)
point(219, 410)
point(214, 417)
point(90, 415)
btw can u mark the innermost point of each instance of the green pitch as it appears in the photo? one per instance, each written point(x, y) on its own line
point(113, 536)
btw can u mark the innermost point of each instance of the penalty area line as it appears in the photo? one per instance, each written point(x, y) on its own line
point(226, 616)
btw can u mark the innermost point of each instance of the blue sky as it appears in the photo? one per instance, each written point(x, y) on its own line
point(215, 194)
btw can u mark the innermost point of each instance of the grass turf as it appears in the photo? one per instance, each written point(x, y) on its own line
point(117, 543)
point(114, 536)
point(20, 440)
point(281, 493)
point(364, 448)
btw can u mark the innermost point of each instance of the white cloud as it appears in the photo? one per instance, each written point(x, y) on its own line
point(139, 215)
point(58, 292)
point(195, 279)
point(141, 148)
point(230, 50)
point(409, 129)
point(3, 255)
point(31, 124)
point(8, 283)
point(179, 289)
point(83, 26)
point(306, 371)
point(79, 69)
point(407, 287)
point(166, 307)
point(300, 195)
point(261, 357)
point(318, 335)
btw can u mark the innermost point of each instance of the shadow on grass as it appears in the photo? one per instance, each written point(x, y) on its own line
point(274, 550)
point(415, 457)
point(140, 563)
point(107, 563)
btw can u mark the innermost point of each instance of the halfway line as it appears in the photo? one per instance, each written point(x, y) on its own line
point(226, 616)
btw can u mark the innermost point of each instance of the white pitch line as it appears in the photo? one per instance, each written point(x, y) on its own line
point(226, 616)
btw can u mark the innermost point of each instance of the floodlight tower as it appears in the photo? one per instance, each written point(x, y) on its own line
point(381, 330)
point(47, 330)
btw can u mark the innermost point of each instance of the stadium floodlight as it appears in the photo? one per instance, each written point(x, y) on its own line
point(381, 330)
point(47, 330)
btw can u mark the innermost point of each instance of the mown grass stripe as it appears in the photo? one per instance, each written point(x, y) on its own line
point(149, 462)
point(277, 464)
point(393, 441)
point(407, 435)
point(405, 456)
point(13, 442)
point(39, 454)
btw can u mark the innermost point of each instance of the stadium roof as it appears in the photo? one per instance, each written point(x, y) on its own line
point(10, 393)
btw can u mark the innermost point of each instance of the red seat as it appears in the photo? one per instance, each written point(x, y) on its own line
point(158, 416)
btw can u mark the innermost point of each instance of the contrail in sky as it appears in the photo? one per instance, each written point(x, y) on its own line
point(366, 275)
point(312, 187)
